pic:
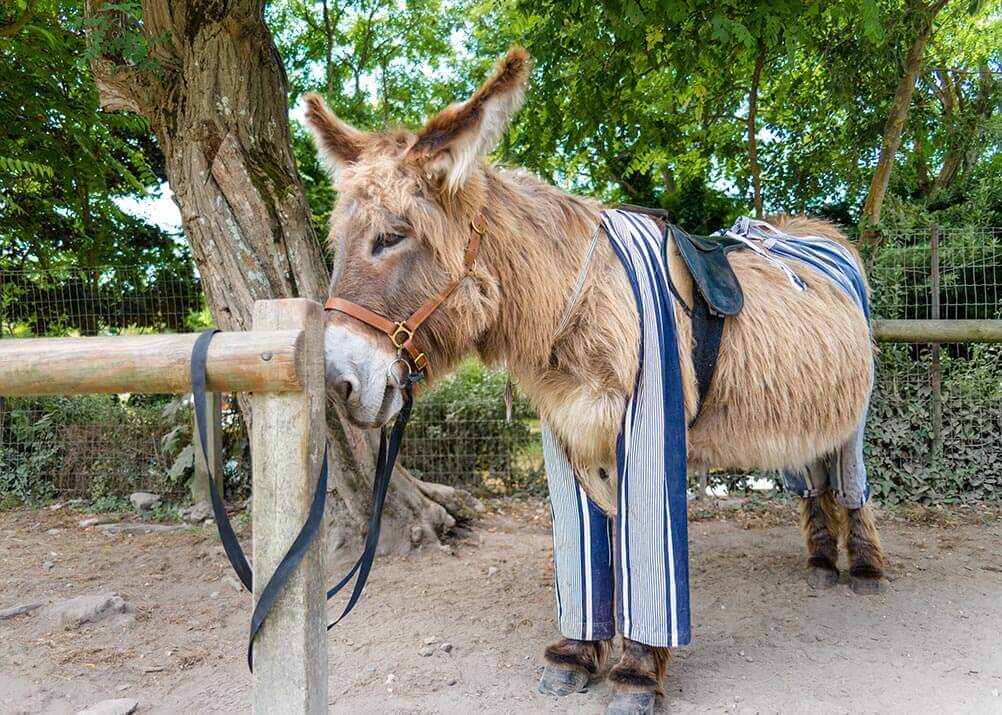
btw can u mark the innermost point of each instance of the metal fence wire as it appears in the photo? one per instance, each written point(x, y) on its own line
point(927, 439)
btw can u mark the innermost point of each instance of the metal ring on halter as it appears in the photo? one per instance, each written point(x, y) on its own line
point(391, 373)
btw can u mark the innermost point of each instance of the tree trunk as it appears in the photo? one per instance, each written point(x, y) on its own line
point(218, 105)
point(895, 124)
point(756, 173)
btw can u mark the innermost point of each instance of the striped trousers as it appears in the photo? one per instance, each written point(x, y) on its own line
point(630, 575)
point(601, 591)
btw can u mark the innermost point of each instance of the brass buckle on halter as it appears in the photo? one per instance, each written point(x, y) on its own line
point(421, 362)
point(401, 328)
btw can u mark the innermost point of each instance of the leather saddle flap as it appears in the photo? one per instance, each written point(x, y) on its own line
point(711, 272)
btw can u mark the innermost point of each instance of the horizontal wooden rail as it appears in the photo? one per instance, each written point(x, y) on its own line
point(938, 331)
point(265, 361)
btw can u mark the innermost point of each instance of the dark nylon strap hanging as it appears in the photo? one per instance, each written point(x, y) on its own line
point(388, 449)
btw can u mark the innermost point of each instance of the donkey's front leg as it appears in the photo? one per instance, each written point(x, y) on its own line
point(571, 663)
point(866, 556)
point(639, 677)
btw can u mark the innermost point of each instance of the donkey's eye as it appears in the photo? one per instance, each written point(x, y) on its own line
point(386, 240)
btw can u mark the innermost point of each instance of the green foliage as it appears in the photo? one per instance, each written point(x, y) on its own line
point(901, 463)
point(21, 166)
point(100, 444)
point(63, 162)
point(458, 433)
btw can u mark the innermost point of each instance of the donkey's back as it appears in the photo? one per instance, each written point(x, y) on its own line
point(795, 367)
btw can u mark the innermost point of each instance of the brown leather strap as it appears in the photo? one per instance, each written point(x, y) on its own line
point(360, 313)
point(401, 334)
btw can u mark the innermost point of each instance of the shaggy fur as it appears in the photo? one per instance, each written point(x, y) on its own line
point(588, 656)
point(866, 557)
point(794, 369)
point(822, 522)
point(642, 667)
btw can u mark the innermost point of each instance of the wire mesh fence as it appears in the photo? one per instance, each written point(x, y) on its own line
point(970, 274)
point(111, 445)
point(94, 445)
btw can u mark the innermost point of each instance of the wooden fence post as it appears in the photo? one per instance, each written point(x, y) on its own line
point(936, 377)
point(200, 479)
point(288, 439)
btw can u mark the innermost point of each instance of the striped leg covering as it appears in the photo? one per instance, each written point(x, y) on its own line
point(639, 561)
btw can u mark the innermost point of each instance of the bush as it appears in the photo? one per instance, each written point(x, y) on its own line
point(94, 445)
point(458, 435)
point(899, 446)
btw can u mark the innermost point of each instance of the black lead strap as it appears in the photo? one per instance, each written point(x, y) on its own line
point(389, 447)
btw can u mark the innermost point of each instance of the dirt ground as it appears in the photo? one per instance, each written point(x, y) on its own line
point(763, 641)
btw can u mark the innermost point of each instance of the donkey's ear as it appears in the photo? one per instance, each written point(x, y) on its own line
point(451, 141)
point(338, 143)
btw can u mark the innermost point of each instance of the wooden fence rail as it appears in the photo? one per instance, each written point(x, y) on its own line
point(281, 362)
point(938, 331)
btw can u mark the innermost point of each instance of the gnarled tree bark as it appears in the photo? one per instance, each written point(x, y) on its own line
point(217, 101)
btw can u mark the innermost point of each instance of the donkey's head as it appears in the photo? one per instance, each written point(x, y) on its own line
point(399, 232)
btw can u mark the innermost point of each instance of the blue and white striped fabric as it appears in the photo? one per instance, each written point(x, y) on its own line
point(830, 258)
point(630, 575)
point(647, 561)
point(842, 471)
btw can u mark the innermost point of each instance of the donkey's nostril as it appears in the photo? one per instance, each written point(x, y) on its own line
point(345, 385)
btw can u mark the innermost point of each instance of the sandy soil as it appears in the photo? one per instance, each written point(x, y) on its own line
point(764, 642)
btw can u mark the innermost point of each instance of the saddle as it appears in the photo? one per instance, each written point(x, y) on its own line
point(716, 291)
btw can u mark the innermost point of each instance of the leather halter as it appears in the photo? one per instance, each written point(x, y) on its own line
point(401, 333)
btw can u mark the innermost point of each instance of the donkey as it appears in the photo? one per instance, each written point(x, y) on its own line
point(793, 374)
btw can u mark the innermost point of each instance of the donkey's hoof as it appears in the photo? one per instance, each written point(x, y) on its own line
point(631, 702)
point(868, 585)
point(821, 577)
point(562, 681)
point(821, 572)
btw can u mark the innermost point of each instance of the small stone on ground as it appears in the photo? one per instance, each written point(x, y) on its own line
point(119, 706)
point(87, 609)
point(196, 513)
point(143, 501)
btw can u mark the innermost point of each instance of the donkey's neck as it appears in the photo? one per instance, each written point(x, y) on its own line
point(536, 241)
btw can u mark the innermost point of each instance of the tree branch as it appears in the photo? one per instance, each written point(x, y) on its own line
point(17, 24)
point(121, 85)
point(894, 126)
point(756, 172)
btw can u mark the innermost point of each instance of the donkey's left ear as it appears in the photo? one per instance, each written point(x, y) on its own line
point(451, 142)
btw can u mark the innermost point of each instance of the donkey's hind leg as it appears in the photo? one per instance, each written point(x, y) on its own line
point(866, 556)
point(571, 663)
point(822, 522)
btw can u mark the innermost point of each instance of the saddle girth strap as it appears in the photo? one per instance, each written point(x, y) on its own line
point(707, 331)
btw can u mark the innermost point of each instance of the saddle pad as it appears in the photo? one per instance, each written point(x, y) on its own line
point(706, 259)
point(828, 257)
